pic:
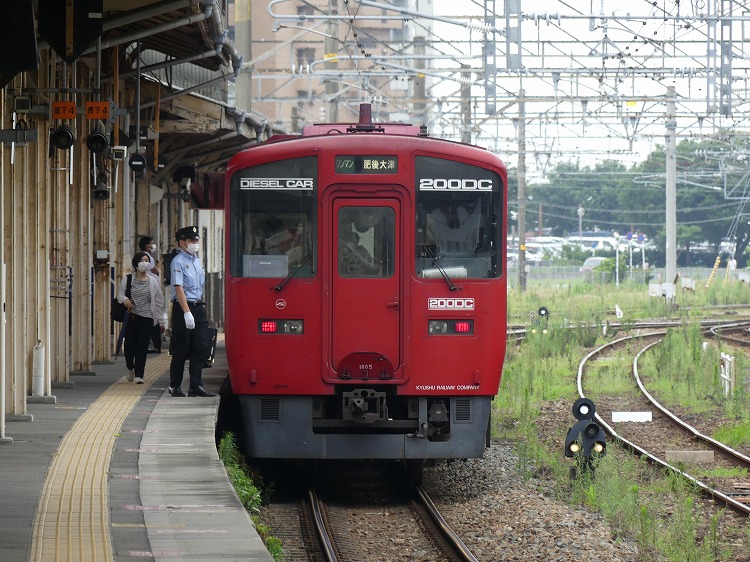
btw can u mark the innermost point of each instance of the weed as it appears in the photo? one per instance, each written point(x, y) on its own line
point(247, 491)
point(657, 511)
point(734, 435)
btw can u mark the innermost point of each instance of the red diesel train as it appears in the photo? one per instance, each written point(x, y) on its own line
point(365, 293)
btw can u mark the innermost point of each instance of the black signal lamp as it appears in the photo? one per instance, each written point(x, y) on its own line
point(62, 137)
point(586, 438)
point(540, 324)
point(97, 141)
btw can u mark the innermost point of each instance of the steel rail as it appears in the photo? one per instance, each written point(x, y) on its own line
point(715, 494)
point(321, 528)
point(450, 535)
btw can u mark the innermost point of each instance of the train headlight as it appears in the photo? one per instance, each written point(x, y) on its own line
point(450, 327)
point(437, 327)
point(293, 326)
point(271, 326)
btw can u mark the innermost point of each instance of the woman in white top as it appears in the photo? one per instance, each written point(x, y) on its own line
point(145, 306)
point(147, 244)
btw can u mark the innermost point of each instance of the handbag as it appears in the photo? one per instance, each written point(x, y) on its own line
point(117, 310)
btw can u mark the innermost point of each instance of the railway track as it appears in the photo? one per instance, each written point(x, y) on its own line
point(719, 327)
point(376, 517)
point(417, 530)
point(668, 432)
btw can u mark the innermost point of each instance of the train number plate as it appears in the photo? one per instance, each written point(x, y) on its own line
point(439, 303)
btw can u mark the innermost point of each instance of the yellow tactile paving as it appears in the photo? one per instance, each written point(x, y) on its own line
point(72, 517)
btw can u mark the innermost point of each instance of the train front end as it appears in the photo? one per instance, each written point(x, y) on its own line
point(365, 294)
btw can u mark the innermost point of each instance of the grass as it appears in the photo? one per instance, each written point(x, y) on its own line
point(720, 472)
point(734, 435)
point(249, 494)
point(658, 512)
point(685, 372)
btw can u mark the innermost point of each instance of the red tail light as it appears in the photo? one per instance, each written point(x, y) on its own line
point(463, 327)
point(268, 327)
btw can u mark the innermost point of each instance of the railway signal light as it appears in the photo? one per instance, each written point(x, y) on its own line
point(97, 141)
point(62, 137)
point(586, 440)
point(540, 324)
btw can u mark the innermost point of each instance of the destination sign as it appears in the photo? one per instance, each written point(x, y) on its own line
point(359, 164)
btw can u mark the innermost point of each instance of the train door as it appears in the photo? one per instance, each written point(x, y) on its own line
point(365, 293)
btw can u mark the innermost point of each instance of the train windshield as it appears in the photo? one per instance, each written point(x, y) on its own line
point(273, 221)
point(458, 223)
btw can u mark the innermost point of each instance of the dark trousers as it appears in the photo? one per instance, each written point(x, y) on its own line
point(137, 335)
point(156, 337)
point(189, 345)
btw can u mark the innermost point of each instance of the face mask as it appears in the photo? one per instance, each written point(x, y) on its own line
point(193, 249)
point(152, 248)
point(144, 266)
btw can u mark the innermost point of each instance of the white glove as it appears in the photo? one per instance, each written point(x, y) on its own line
point(189, 320)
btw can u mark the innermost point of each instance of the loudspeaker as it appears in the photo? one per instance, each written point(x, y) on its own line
point(17, 40)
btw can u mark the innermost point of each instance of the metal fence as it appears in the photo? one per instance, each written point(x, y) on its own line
point(551, 275)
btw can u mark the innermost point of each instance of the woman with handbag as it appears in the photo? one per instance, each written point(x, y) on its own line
point(145, 305)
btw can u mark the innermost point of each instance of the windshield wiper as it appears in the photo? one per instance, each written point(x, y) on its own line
point(294, 271)
point(436, 263)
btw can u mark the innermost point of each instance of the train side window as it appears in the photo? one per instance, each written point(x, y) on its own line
point(366, 241)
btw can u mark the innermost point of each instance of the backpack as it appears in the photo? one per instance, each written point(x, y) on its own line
point(167, 275)
point(117, 310)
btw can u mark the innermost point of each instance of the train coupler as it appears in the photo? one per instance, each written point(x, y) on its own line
point(364, 405)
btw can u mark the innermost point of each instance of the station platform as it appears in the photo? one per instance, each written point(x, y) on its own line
point(110, 470)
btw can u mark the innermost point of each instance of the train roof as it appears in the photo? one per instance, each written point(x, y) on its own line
point(364, 135)
point(364, 126)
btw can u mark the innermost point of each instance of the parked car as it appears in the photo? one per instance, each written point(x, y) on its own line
point(591, 263)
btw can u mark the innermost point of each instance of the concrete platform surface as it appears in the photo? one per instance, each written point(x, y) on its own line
point(109, 470)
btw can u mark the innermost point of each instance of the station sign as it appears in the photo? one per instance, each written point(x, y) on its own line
point(63, 110)
point(97, 110)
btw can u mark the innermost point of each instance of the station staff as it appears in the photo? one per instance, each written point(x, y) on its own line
point(191, 337)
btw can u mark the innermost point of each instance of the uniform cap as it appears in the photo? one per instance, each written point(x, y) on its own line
point(187, 233)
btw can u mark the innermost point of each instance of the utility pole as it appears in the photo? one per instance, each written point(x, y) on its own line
point(420, 97)
point(331, 87)
point(541, 217)
point(466, 106)
point(522, 190)
point(670, 249)
point(243, 39)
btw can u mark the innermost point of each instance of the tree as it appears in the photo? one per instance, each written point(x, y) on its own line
point(616, 198)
